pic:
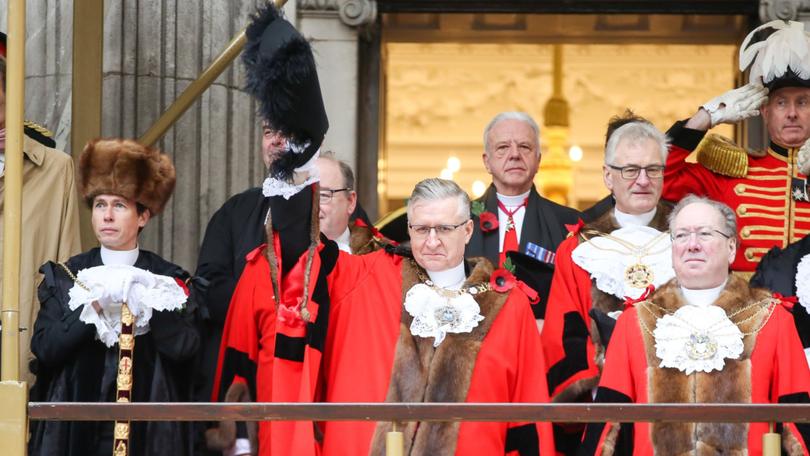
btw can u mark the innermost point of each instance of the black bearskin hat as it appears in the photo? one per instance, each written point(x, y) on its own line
point(281, 76)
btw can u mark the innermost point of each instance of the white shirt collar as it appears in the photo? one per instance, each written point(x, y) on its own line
point(702, 298)
point(624, 220)
point(344, 241)
point(450, 279)
point(512, 200)
point(114, 257)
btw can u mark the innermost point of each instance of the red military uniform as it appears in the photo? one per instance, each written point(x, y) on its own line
point(768, 194)
point(770, 369)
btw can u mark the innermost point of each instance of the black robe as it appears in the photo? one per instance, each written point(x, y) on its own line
point(543, 225)
point(73, 366)
point(777, 272)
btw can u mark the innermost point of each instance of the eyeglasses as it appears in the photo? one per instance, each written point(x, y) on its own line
point(421, 231)
point(631, 172)
point(327, 194)
point(704, 234)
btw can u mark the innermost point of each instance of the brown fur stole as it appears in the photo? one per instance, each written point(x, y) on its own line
point(731, 385)
point(422, 373)
point(606, 302)
point(361, 240)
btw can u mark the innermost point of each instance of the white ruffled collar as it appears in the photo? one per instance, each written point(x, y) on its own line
point(449, 279)
point(116, 257)
point(625, 220)
point(627, 260)
point(276, 187)
point(512, 200)
point(702, 298)
point(803, 281)
point(437, 311)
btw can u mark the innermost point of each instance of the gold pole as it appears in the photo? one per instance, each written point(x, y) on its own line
point(394, 444)
point(85, 124)
point(13, 393)
point(12, 210)
point(193, 91)
point(771, 442)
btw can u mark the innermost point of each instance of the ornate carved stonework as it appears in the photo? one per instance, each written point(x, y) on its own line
point(351, 12)
point(796, 10)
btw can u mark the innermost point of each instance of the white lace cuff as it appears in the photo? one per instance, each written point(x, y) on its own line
point(109, 286)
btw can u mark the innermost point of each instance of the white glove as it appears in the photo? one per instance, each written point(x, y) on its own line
point(736, 105)
point(136, 284)
point(803, 158)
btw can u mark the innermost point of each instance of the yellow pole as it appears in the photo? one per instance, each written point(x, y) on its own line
point(12, 193)
point(771, 443)
point(13, 393)
point(196, 88)
point(394, 443)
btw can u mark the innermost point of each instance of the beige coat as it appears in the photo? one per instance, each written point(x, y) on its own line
point(50, 228)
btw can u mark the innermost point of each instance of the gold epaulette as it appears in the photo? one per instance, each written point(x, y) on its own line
point(39, 133)
point(720, 155)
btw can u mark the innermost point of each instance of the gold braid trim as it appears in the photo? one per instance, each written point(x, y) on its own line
point(720, 155)
point(38, 128)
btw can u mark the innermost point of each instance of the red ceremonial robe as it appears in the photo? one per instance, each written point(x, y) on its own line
point(371, 356)
point(574, 350)
point(274, 352)
point(771, 369)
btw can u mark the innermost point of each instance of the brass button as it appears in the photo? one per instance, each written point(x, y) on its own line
point(741, 210)
point(739, 189)
point(745, 233)
point(749, 255)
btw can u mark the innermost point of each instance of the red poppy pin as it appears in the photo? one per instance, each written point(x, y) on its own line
point(290, 316)
point(502, 280)
point(487, 221)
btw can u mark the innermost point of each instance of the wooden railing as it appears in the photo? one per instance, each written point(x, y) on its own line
point(568, 413)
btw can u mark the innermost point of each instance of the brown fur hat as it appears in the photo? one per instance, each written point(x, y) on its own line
point(126, 168)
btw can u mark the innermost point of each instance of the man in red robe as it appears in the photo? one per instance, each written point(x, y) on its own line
point(430, 327)
point(604, 261)
point(705, 336)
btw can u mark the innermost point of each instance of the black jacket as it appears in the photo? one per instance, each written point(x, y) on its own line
point(73, 366)
point(777, 272)
point(543, 225)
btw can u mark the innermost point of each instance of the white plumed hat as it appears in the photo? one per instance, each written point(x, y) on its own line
point(778, 54)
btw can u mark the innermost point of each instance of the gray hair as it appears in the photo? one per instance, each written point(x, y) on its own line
point(635, 133)
point(512, 115)
point(434, 189)
point(729, 218)
point(345, 169)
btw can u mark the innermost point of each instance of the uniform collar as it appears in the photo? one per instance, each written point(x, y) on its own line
point(34, 152)
point(344, 241)
point(781, 152)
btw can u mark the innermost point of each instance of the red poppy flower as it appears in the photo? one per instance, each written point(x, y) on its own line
point(488, 222)
point(290, 316)
point(502, 280)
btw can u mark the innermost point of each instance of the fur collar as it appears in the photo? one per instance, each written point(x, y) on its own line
point(605, 302)
point(422, 373)
point(732, 384)
point(361, 240)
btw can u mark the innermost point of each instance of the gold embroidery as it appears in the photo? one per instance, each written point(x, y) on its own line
point(121, 430)
point(761, 169)
point(120, 449)
point(127, 341)
point(752, 252)
point(742, 189)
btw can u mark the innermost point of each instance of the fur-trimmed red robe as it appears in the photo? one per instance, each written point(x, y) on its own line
point(371, 356)
point(572, 345)
point(771, 369)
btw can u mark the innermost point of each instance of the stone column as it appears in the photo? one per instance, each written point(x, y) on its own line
point(334, 28)
point(794, 10)
point(152, 51)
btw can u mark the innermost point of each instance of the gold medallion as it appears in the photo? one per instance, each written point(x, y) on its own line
point(127, 341)
point(126, 315)
point(700, 347)
point(638, 276)
point(121, 431)
point(121, 449)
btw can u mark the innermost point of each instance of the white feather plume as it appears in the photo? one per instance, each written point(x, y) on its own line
point(786, 48)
